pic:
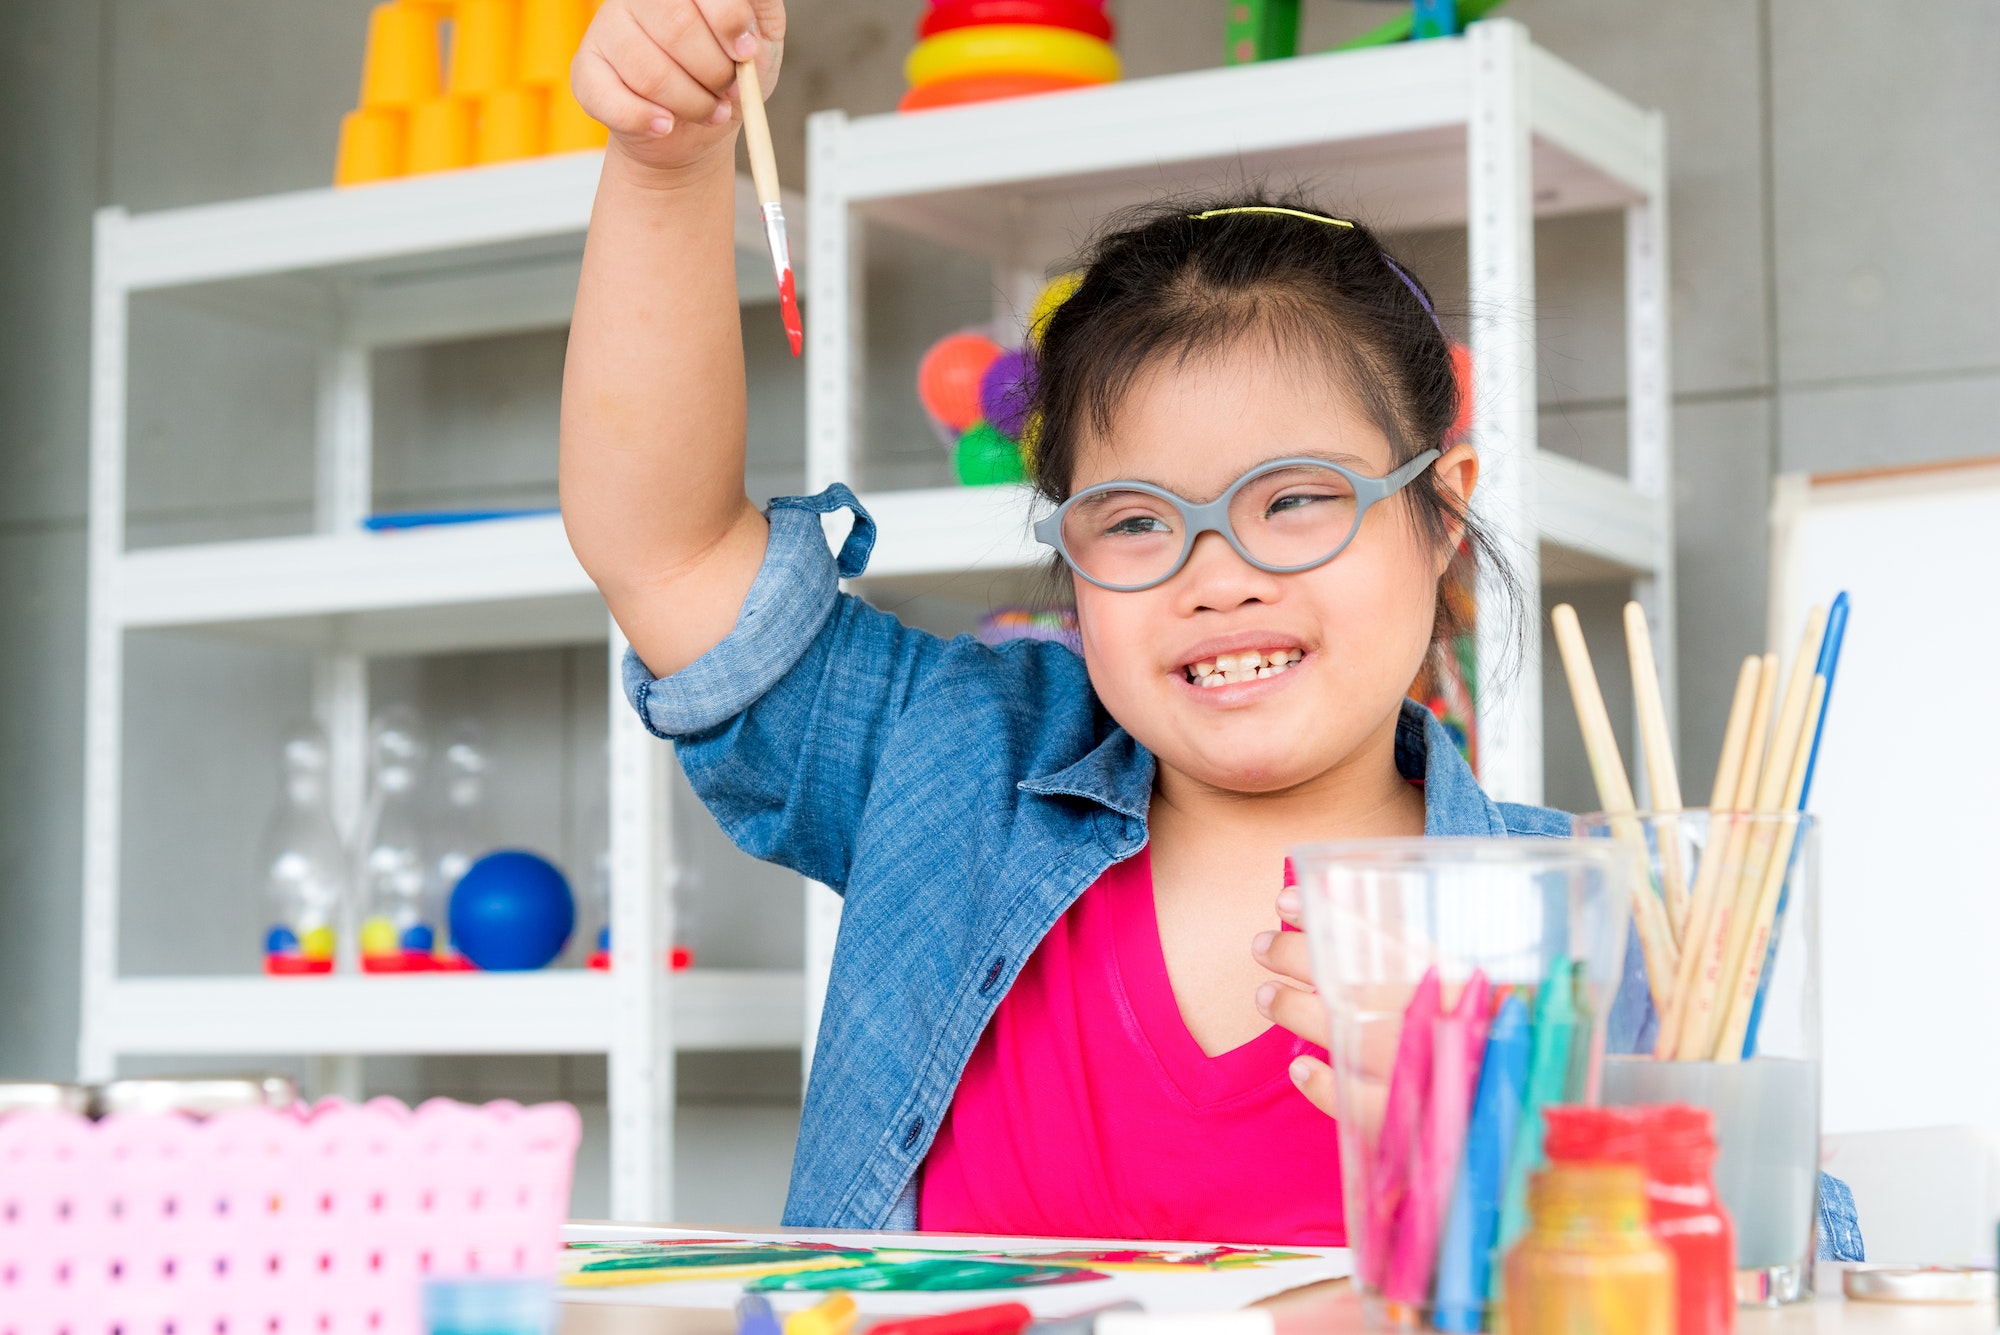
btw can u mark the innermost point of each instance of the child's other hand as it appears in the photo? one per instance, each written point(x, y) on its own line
point(1295, 1004)
point(661, 73)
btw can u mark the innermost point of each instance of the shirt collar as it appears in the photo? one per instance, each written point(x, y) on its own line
point(1118, 773)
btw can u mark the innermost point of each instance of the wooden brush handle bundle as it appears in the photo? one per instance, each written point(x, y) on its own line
point(1706, 946)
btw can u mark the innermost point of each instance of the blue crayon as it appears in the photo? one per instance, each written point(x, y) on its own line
point(1467, 1253)
point(754, 1316)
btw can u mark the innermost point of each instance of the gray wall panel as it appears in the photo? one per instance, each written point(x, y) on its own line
point(1887, 186)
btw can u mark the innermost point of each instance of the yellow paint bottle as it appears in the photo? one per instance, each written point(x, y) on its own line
point(1588, 1261)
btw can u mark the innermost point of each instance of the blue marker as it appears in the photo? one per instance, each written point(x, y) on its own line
point(1474, 1225)
point(755, 1317)
point(1829, 661)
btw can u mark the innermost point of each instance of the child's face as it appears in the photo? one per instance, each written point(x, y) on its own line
point(1362, 621)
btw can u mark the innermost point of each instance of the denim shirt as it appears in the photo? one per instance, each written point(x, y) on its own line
point(958, 796)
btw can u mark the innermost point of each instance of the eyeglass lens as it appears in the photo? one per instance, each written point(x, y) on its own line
point(1292, 516)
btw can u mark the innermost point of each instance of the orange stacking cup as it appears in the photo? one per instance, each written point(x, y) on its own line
point(403, 58)
point(371, 146)
point(511, 124)
point(440, 135)
point(571, 129)
point(483, 49)
point(551, 30)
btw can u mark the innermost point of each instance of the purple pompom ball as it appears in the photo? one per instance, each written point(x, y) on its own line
point(1006, 391)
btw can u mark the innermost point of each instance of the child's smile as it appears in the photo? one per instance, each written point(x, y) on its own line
point(1242, 666)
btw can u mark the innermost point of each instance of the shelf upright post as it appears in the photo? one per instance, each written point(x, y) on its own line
point(1649, 391)
point(1500, 233)
point(343, 486)
point(641, 1058)
point(834, 366)
point(104, 647)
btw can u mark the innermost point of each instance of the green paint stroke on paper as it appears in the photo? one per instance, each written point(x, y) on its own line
point(930, 1276)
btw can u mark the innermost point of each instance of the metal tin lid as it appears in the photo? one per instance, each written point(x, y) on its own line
point(1918, 1284)
point(200, 1096)
point(49, 1095)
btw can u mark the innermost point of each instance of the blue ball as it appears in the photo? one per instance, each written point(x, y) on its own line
point(419, 937)
point(281, 940)
point(511, 910)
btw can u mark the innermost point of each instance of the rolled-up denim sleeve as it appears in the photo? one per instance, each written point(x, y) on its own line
point(790, 600)
point(780, 728)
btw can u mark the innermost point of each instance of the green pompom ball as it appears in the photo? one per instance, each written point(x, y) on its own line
point(985, 456)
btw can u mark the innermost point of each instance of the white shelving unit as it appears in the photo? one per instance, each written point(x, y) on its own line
point(1485, 131)
point(415, 261)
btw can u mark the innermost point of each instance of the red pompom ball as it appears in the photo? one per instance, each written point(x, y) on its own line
point(948, 378)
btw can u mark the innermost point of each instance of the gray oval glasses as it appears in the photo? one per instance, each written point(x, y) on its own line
point(1284, 516)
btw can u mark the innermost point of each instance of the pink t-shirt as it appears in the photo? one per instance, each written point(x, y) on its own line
point(1088, 1110)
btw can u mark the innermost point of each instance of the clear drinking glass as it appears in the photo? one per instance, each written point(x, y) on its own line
point(1425, 951)
point(1740, 1021)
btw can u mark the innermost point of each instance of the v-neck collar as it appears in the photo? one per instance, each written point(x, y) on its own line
point(1141, 972)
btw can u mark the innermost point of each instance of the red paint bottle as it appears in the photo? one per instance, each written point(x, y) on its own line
point(1675, 1145)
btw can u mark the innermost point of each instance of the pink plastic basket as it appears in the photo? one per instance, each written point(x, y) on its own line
point(272, 1222)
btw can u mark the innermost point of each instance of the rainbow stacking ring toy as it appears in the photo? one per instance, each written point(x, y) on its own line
point(1076, 15)
point(1011, 48)
point(984, 88)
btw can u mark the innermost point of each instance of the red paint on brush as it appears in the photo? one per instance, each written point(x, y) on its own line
point(788, 304)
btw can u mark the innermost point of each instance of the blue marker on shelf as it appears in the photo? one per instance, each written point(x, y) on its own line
point(1467, 1253)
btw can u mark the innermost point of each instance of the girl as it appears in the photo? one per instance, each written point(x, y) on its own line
point(1062, 1001)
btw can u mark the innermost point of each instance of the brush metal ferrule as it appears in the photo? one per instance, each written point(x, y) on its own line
point(774, 234)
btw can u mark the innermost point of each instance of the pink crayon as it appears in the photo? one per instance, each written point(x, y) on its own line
point(1409, 1088)
point(1457, 1043)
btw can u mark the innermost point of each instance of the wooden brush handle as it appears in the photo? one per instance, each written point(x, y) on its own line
point(757, 132)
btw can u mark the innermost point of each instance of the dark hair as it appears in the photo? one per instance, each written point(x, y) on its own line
point(1164, 284)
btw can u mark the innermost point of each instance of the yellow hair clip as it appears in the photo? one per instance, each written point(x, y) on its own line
point(1272, 208)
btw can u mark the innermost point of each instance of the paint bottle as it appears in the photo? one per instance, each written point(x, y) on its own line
point(1675, 1146)
point(1588, 1261)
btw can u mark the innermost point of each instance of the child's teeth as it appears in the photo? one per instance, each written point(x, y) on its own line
point(1203, 668)
point(1213, 679)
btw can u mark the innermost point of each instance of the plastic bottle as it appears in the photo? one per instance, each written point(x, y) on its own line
point(464, 831)
point(396, 936)
point(1588, 1262)
point(303, 864)
point(1675, 1145)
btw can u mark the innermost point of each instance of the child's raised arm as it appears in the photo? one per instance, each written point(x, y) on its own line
point(653, 413)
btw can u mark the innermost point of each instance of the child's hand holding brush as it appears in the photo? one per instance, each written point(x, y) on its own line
point(662, 73)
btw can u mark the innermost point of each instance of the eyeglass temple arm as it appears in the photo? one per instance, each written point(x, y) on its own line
point(1402, 477)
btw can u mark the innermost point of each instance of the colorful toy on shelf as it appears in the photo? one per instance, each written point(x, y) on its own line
point(1055, 624)
point(506, 94)
point(1269, 29)
point(948, 380)
point(511, 910)
point(1058, 290)
point(983, 50)
point(1005, 392)
point(304, 865)
point(397, 935)
point(985, 457)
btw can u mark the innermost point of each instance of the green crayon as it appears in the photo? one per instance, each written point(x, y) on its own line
point(1548, 1074)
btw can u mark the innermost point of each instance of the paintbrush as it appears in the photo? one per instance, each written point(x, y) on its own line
point(1614, 790)
point(764, 175)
